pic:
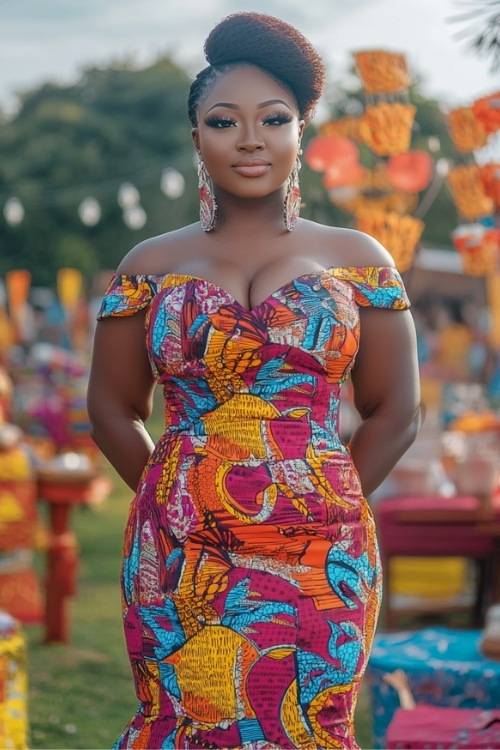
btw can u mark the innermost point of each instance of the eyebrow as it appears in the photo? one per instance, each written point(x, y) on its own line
point(229, 105)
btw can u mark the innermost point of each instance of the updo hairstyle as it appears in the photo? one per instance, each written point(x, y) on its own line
point(271, 45)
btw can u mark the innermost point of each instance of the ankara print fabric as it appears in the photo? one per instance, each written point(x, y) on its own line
point(251, 577)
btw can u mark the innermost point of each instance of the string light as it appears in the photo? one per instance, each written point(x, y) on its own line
point(135, 217)
point(13, 211)
point(172, 183)
point(89, 212)
point(128, 196)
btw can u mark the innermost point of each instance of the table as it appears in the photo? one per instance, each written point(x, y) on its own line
point(62, 491)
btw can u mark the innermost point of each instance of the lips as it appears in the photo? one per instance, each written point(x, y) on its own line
point(251, 167)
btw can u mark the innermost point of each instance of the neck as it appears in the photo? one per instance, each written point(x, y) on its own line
point(254, 216)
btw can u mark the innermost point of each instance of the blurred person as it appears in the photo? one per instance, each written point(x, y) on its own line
point(251, 576)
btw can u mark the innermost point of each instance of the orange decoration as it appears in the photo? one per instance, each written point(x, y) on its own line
point(489, 176)
point(346, 127)
point(344, 173)
point(467, 191)
point(386, 127)
point(487, 111)
point(410, 171)
point(324, 153)
point(479, 248)
point(466, 131)
point(18, 285)
point(399, 234)
point(382, 72)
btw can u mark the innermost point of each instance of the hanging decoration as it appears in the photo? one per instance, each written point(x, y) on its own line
point(135, 217)
point(478, 246)
point(382, 187)
point(466, 132)
point(398, 233)
point(386, 127)
point(489, 177)
point(128, 196)
point(382, 72)
point(487, 111)
point(467, 191)
point(410, 171)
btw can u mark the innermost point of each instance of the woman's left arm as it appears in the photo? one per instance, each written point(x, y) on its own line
point(386, 390)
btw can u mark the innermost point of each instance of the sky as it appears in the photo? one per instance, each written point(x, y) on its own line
point(54, 40)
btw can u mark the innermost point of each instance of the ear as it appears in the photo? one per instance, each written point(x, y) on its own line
point(302, 125)
point(195, 135)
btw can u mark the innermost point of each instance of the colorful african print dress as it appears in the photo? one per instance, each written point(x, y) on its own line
point(251, 577)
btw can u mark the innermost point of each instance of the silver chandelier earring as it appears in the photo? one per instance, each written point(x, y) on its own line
point(208, 204)
point(292, 196)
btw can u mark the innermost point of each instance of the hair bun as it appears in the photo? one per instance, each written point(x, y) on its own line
point(272, 45)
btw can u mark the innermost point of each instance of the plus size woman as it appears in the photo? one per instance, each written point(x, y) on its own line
point(251, 578)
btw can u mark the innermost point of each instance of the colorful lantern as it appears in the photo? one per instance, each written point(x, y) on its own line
point(478, 247)
point(386, 127)
point(346, 127)
point(410, 171)
point(466, 131)
point(324, 153)
point(489, 176)
point(467, 191)
point(399, 234)
point(487, 111)
point(345, 173)
point(382, 72)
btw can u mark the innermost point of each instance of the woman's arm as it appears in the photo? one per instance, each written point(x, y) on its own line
point(386, 388)
point(120, 395)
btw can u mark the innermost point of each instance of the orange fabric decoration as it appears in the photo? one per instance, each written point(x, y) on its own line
point(399, 234)
point(18, 285)
point(347, 127)
point(382, 72)
point(324, 153)
point(344, 173)
point(466, 131)
point(487, 111)
point(489, 176)
point(410, 171)
point(386, 127)
point(467, 191)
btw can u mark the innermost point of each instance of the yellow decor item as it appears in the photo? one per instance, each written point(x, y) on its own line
point(399, 234)
point(428, 577)
point(386, 127)
point(345, 127)
point(489, 176)
point(69, 287)
point(13, 685)
point(466, 131)
point(382, 72)
point(467, 191)
point(479, 248)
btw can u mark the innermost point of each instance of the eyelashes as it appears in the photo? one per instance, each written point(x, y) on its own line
point(223, 121)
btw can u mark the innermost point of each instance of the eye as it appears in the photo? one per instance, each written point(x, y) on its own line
point(280, 118)
point(219, 122)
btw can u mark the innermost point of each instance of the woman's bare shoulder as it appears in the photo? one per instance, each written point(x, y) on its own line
point(348, 247)
point(157, 255)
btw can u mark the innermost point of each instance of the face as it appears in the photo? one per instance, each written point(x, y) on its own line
point(248, 133)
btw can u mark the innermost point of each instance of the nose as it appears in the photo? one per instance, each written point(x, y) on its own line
point(250, 139)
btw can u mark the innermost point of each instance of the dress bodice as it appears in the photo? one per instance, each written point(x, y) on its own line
point(222, 365)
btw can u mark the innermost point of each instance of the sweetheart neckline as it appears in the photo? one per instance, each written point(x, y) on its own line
point(250, 311)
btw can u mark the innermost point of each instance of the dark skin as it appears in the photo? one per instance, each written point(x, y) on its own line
point(247, 117)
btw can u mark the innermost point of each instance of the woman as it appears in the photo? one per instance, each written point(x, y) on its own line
point(251, 578)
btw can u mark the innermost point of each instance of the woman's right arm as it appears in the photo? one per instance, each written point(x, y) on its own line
point(120, 391)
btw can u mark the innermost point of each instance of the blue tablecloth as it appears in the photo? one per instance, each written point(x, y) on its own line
point(444, 668)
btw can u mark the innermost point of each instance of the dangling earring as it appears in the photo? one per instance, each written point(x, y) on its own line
point(292, 196)
point(208, 205)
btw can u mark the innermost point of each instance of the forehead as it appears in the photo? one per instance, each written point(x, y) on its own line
point(247, 85)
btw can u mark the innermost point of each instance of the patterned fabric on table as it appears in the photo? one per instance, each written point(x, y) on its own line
point(251, 577)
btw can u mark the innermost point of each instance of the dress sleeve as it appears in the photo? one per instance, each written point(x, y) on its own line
point(376, 286)
point(126, 295)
